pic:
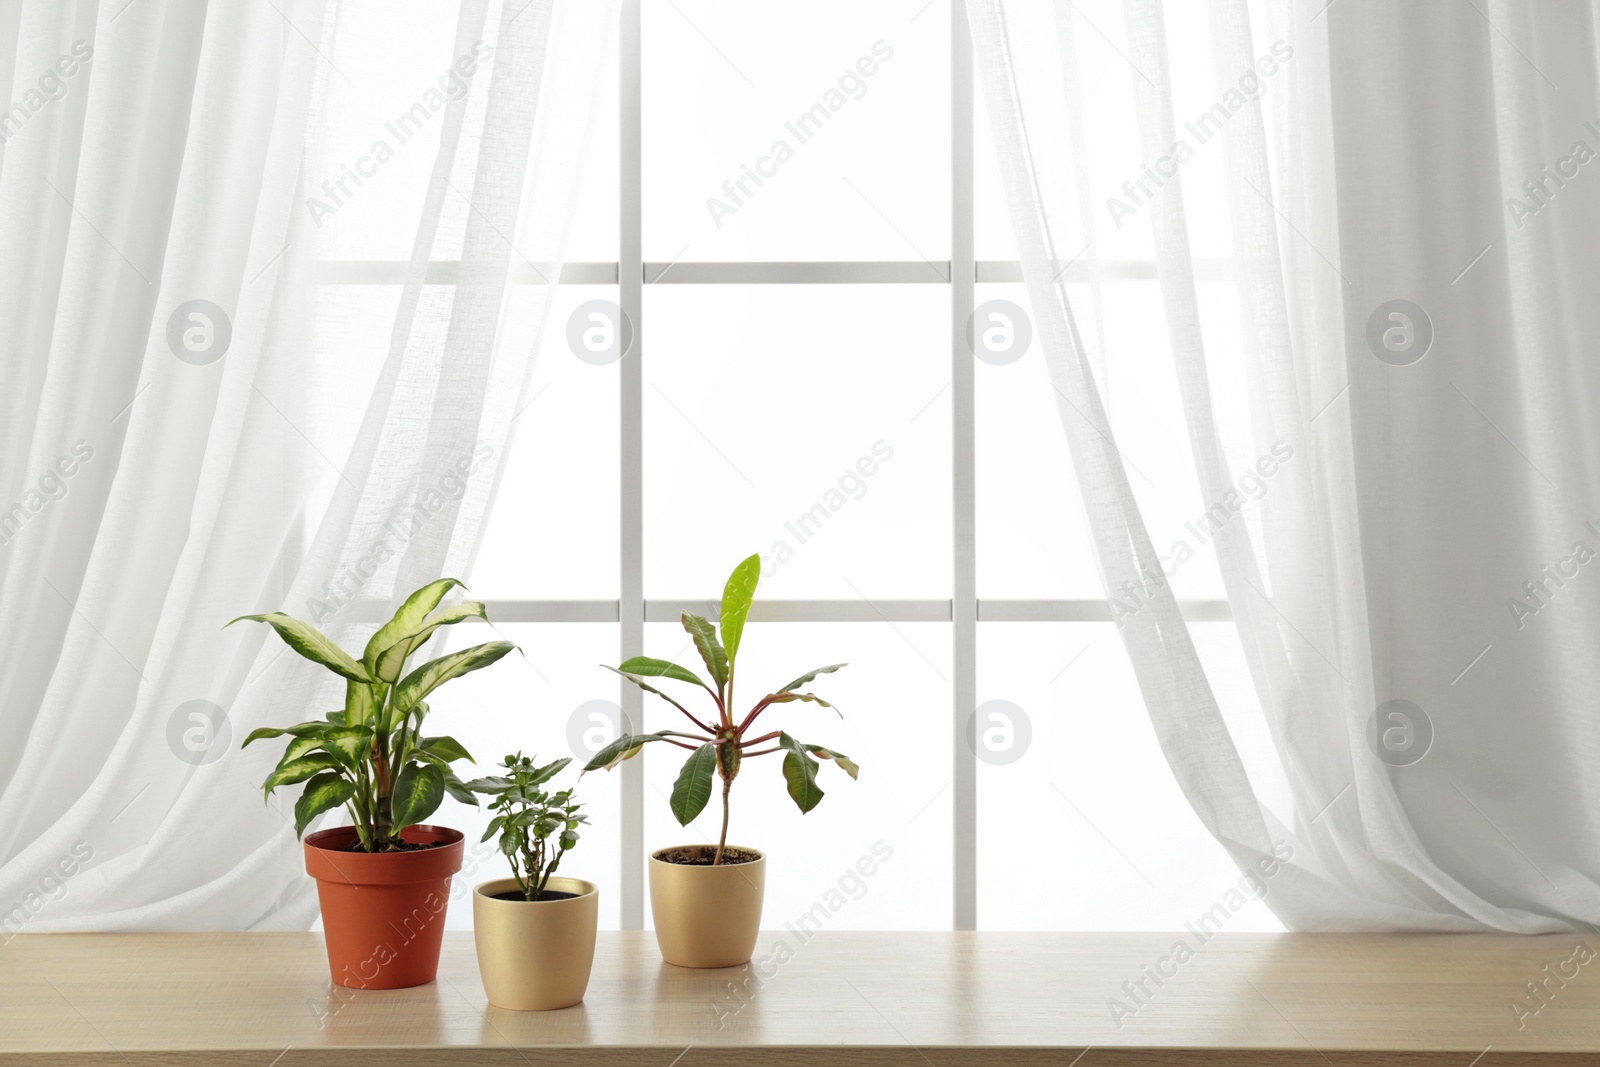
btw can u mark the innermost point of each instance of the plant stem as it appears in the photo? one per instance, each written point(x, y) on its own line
point(722, 842)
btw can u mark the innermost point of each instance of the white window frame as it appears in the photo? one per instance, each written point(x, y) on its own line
point(964, 610)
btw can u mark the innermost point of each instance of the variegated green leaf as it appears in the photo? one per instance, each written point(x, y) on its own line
point(446, 748)
point(311, 643)
point(418, 792)
point(430, 676)
point(290, 771)
point(362, 702)
point(391, 661)
point(407, 620)
point(327, 790)
point(349, 744)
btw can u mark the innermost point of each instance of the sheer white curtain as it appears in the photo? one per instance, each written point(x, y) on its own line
point(1393, 315)
point(168, 465)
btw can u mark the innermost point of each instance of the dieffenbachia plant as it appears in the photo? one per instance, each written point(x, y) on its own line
point(526, 818)
point(720, 748)
point(371, 754)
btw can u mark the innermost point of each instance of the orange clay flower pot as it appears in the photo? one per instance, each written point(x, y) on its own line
point(383, 912)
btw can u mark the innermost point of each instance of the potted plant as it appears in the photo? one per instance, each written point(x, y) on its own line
point(384, 881)
point(534, 932)
point(707, 900)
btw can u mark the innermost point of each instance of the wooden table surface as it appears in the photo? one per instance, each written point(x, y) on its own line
point(926, 999)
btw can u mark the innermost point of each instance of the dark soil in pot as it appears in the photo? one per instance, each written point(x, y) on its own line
point(548, 894)
point(404, 846)
point(703, 855)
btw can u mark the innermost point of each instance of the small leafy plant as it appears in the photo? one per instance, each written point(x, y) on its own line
point(371, 755)
point(526, 817)
point(720, 748)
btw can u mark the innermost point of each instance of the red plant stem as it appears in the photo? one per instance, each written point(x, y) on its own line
point(680, 744)
point(763, 737)
point(765, 703)
point(764, 752)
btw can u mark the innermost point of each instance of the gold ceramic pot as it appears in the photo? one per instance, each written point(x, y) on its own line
point(707, 916)
point(535, 955)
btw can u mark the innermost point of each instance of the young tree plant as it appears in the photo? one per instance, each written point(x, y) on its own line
point(526, 818)
point(722, 743)
point(371, 754)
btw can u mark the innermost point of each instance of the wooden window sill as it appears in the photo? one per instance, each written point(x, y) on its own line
point(853, 999)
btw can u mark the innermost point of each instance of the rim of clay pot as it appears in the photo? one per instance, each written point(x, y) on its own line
point(487, 890)
point(655, 856)
point(326, 859)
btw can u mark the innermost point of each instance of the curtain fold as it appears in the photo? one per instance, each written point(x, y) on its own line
point(161, 220)
point(1367, 153)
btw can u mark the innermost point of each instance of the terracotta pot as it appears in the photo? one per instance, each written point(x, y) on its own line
point(707, 916)
point(535, 955)
point(383, 912)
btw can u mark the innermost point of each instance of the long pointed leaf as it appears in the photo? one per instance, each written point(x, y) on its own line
point(660, 668)
point(711, 650)
point(407, 619)
point(311, 643)
point(290, 771)
point(349, 744)
point(845, 763)
point(327, 790)
point(800, 771)
point(391, 661)
point(810, 698)
point(623, 748)
point(693, 787)
point(446, 748)
point(809, 675)
point(361, 703)
point(430, 676)
point(737, 597)
point(418, 792)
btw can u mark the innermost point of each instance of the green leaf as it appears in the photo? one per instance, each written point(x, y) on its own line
point(660, 668)
point(548, 771)
point(808, 676)
point(327, 790)
point(493, 828)
point(446, 748)
point(362, 703)
point(711, 650)
point(299, 746)
point(430, 676)
point(458, 789)
point(811, 698)
point(800, 771)
point(298, 731)
point(350, 745)
point(311, 643)
point(261, 734)
point(290, 771)
point(693, 787)
point(623, 748)
point(392, 659)
point(737, 597)
point(418, 792)
point(845, 763)
point(406, 621)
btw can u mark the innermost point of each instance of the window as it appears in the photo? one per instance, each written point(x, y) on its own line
point(800, 385)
